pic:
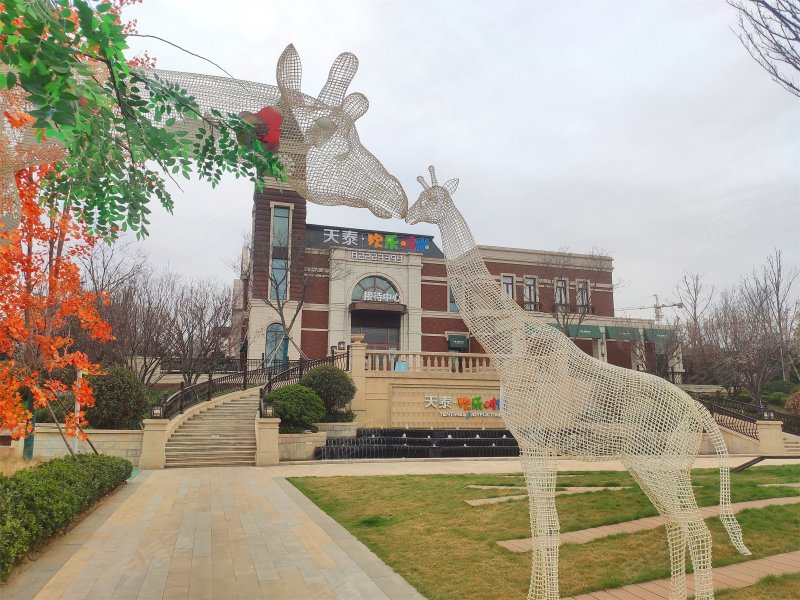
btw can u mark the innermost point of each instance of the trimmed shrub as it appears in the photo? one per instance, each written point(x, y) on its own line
point(793, 404)
point(298, 407)
point(784, 387)
point(335, 388)
point(121, 400)
point(38, 502)
point(776, 398)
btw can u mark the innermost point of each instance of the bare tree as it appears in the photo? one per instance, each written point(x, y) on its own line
point(289, 287)
point(777, 286)
point(770, 31)
point(696, 298)
point(110, 266)
point(201, 310)
point(661, 355)
point(142, 318)
point(569, 314)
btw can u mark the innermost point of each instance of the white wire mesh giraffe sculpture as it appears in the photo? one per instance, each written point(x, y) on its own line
point(316, 141)
point(559, 400)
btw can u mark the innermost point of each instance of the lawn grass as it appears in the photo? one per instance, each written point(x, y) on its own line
point(785, 587)
point(422, 528)
point(11, 463)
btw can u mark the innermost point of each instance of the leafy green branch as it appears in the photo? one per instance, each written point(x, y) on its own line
point(126, 130)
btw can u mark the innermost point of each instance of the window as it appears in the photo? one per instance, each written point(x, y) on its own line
point(508, 284)
point(582, 295)
point(531, 297)
point(375, 289)
point(451, 300)
point(561, 292)
point(276, 348)
point(279, 253)
point(278, 279)
point(280, 227)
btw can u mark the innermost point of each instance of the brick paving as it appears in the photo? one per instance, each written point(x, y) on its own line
point(587, 535)
point(733, 576)
point(207, 534)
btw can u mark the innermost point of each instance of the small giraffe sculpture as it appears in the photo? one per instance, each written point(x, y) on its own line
point(559, 400)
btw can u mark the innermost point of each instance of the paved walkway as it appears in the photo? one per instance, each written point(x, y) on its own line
point(733, 576)
point(587, 535)
point(209, 533)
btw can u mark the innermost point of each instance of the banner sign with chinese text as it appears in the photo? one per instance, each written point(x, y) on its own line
point(432, 406)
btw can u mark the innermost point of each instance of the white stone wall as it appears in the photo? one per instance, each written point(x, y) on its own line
point(262, 316)
point(126, 443)
point(406, 277)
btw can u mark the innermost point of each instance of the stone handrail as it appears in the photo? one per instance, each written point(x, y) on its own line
point(399, 362)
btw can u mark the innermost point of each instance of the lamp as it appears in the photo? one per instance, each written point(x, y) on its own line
point(269, 410)
point(768, 414)
point(341, 346)
point(158, 411)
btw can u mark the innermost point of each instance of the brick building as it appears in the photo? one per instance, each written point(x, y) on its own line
point(334, 281)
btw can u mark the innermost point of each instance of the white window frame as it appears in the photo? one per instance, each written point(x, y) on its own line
point(555, 291)
point(513, 284)
point(525, 287)
point(449, 293)
point(588, 292)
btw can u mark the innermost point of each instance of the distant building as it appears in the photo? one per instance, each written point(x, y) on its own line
point(392, 287)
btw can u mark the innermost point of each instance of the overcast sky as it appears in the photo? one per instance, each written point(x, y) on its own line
point(640, 127)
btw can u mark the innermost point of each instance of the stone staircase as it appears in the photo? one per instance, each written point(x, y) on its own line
point(791, 444)
point(222, 435)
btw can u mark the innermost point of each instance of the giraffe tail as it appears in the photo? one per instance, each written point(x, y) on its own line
point(725, 512)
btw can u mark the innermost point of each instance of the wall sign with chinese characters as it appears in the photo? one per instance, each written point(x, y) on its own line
point(464, 406)
point(379, 296)
point(377, 241)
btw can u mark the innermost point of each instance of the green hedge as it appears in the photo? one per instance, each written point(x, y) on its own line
point(297, 407)
point(336, 390)
point(43, 500)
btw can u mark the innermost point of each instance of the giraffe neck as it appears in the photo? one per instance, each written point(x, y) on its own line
point(485, 308)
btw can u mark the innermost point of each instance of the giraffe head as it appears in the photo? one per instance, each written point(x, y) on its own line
point(435, 201)
point(332, 167)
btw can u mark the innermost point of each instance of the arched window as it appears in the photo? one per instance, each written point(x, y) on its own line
point(375, 289)
point(276, 349)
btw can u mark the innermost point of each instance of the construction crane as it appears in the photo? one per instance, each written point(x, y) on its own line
point(655, 307)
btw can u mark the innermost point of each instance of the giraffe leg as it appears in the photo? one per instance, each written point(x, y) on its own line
point(675, 538)
point(672, 489)
point(540, 475)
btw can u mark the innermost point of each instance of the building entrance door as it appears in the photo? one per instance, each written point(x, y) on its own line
point(381, 330)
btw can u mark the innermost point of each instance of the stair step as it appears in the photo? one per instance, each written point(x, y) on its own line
point(211, 463)
point(200, 453)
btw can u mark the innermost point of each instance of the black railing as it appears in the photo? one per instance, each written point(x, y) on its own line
point(530, 305)
point(212, 387)
point(173, 365)
point(731, 419)
point(295, 373)
point(791, 423)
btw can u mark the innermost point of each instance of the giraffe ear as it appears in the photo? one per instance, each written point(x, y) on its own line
point(451, 186)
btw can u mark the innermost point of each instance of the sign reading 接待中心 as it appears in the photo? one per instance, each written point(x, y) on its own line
point(376, 241)
point(379, 296)
point(429, 406)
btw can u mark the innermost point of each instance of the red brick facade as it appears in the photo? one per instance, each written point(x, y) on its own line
point(435, 321)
